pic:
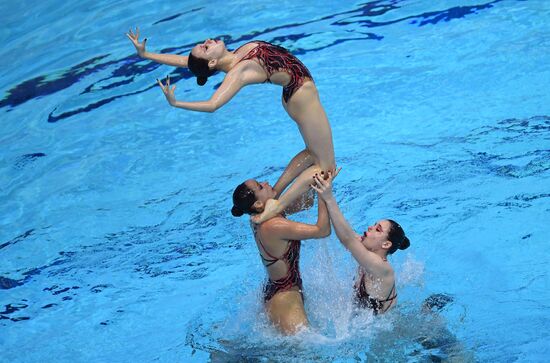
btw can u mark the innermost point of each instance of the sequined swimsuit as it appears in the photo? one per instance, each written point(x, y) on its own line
point(274, 58)
point(291, 258)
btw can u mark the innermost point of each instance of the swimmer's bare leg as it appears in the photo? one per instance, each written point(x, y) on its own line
point(299, 187)
point(297, 165)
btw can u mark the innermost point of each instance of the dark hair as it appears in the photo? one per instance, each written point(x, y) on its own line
point(397, 237)
point(199, 67)
point(243, 199)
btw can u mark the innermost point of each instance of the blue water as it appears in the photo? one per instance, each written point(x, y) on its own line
point(116, 241)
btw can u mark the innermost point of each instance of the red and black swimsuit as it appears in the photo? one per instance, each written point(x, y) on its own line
point(274, 58)
point(291, 258)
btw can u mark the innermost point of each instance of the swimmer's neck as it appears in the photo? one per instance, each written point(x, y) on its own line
point(227, 61)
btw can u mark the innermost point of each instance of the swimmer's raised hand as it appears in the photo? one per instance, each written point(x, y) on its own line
point(323, 184)
point(134, 38)
point(168, 91)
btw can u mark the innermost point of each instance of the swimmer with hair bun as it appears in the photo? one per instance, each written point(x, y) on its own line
point(252, 63)
point(375, 282)
point(278, 240)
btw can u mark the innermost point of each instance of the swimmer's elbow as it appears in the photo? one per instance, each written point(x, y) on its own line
point(213, 106)
point(324, 231)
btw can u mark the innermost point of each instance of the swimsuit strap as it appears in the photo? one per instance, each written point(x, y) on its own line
point(275, 58)
point(388, 299)
point(272, 259)
point(362, 286)
point(291, 259)
point(268, 262)
point(365, 300)
point(259, 52)
point(292, 278)
point(393, 297)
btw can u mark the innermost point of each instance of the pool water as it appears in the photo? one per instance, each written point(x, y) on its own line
point(116, 240)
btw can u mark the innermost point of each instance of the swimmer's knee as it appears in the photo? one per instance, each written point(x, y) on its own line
point(316, 169)
point(325, 165)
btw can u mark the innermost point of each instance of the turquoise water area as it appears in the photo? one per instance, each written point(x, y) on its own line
point(116, 241)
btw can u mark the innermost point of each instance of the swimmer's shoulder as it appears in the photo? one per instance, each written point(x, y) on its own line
point(274, 225)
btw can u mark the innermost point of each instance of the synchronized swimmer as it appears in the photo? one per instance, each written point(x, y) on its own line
point(252, 63)
point(371, 250)
point(278, 239)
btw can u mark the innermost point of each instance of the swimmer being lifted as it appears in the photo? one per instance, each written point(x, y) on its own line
point(251, 63)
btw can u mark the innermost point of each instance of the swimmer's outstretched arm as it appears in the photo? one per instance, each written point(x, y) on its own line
point(230, 86)
point(289, 230)
point(169, 59)
point(345, 233)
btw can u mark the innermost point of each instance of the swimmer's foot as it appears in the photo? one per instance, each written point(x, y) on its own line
point(271, 210)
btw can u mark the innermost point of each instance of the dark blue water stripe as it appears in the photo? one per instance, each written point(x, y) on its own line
point(177, 16)
point(433, 17)
point(7, 283)
point(44, 85)
point(175, 76)
point(17, 239)
point(23, 160)
point(132, 66)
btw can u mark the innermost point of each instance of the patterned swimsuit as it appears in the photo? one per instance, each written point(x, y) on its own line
point(274, 58)
point(291, 258)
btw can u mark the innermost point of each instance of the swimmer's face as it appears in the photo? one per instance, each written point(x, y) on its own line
point(262, 191)
point(376, 234)
point(209, 50)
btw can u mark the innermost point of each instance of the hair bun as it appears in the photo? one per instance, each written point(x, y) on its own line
point(405, 244)
point(201, 80)
point(236, 212)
